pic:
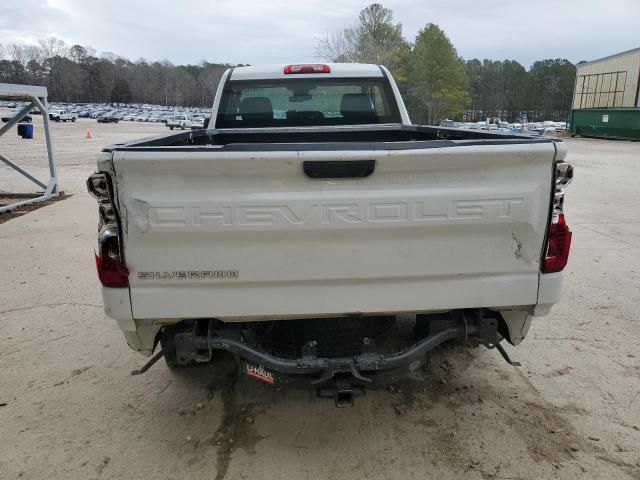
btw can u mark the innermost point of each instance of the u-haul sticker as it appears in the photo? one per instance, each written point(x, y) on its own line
point(259, 372)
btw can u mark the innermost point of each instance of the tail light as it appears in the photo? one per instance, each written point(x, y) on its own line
point(559, 237)
point(558, 245)
point(98, 186)
point(112, 269)
point(307, 68)
point(107, 213)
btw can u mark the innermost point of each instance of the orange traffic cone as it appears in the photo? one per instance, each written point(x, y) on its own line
point(88, 134)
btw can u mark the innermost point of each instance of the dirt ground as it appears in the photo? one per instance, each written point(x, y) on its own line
point(70, 410)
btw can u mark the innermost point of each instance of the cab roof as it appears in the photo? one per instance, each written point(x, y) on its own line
point(275, 71)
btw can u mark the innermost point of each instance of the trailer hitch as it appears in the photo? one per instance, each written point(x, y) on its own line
point(342, 391)
point(336, 368)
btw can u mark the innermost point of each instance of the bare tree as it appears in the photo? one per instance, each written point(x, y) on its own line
point(77, 53)
point(16, 53)
point(336, 47)
point(33, 53)
point(53, 47)
point(110, 57)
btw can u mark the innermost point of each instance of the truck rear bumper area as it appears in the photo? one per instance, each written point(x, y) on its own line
point(169, 299)
point(343, 377)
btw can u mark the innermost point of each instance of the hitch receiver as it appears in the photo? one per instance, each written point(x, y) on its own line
point(342, 392)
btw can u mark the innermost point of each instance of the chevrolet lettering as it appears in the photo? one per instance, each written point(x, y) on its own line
point(220, 216)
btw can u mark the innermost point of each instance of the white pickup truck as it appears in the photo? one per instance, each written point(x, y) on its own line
point(62, 116)
point(311, 226)
point(179, 121)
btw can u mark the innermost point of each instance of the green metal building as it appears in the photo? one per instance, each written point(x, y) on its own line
point(606, 97)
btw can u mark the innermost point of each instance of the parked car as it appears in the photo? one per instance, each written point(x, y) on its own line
point(334, 253)
point(26, 119)
point(107, 118)
point(197, 122)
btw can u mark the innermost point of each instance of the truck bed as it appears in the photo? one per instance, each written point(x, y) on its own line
point(395, 137)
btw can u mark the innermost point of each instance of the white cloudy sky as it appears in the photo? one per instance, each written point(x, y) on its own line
point(255, 31)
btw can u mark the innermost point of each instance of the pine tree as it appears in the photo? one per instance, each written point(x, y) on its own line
point(436, 77)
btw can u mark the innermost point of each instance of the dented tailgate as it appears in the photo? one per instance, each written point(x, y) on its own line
point(247, 235)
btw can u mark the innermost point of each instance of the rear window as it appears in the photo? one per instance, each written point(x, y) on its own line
point(298, 102)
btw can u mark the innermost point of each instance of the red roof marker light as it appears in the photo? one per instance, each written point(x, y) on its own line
point(307, 68)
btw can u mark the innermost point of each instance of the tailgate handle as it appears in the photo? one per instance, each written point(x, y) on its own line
point(338, 168)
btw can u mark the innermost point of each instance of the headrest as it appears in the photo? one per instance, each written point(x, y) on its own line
point(256, 106)
point(356, 103)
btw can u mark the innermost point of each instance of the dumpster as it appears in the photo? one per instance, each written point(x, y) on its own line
point(25, 130)
point(620, 122)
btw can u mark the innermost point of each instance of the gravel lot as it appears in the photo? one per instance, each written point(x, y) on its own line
point(71, 410)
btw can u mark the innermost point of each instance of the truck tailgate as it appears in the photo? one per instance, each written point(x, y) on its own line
point(247, 235)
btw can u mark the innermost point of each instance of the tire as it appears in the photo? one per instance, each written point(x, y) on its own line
point(182, 127)
point(58, 119)
point(170, 128)
point(73, 119)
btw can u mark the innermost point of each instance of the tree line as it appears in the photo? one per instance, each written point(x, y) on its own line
point(435, 81)
point(77, 74)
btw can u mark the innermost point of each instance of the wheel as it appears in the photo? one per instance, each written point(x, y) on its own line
point(58, 119)
point(73, 119)
point(170, 128)
point(182, 127)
